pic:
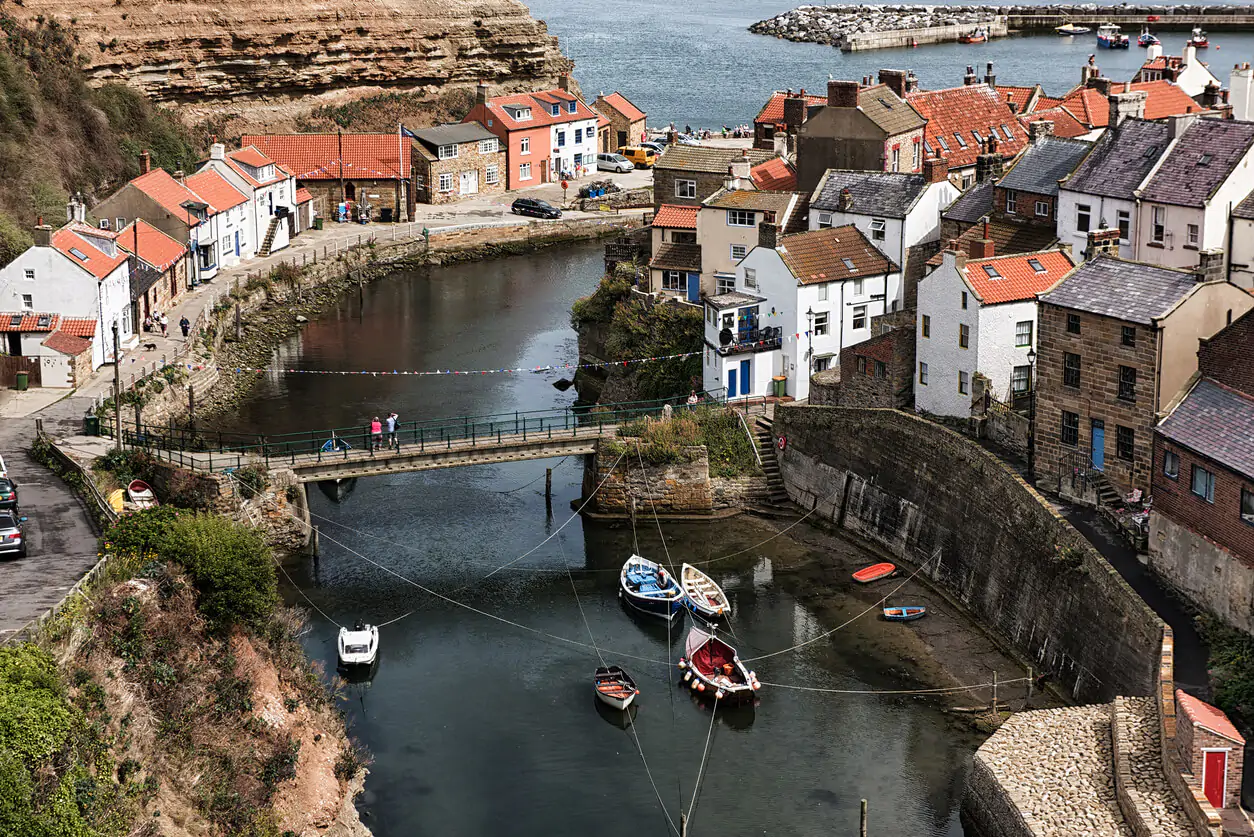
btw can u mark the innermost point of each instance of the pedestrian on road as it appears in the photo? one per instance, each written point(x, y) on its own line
point(376, 434)
point(186, 325)
point(165, 326)
point(392, 419)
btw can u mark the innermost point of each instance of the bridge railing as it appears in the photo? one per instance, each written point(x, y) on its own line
point(227, 450)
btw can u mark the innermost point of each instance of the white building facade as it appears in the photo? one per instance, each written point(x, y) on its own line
point(270, 191)
point(573, 143)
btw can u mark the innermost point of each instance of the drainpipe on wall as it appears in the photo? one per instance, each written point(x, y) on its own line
point(1228, 245)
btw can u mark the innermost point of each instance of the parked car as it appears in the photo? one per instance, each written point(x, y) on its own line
point(8, 494)
point(534, 207)
point(688, 139)
point(12, 535)
point(659, 147)
point(642, 157)
point(614, 162)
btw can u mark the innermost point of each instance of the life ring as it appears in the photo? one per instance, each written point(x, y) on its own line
point(782, 443)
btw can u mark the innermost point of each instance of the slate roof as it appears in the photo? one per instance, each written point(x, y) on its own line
point(893, 114)
point(67, 344)
point(887, 194)
point(317, 156)
point(777, 202)
point(818, 256)
point(676, 217)
point(677, 257)
point(1205, 715)
point(1016, 277)
point(1199, 162)
point(700, 158)
point(1125, 290)
point(1007, 238)
point(1216, 422)
point(734, 299)
point(1043, 164)
point(971, 205)
point(773, 111)
point(453, 133)
point(775, 175)
point(623, 105)
point(1065, 123)
point(975, 107)
point(155, 247)
point(1120, 160)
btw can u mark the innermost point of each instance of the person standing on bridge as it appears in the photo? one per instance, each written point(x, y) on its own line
point(392, 420)
point(376, 434)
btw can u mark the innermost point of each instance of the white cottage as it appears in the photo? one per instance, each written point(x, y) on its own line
point(269, 188)
point(979, 316)
point(798, 300)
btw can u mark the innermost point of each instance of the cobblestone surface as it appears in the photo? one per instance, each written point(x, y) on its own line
point(1057, 766)
point(1148, 788)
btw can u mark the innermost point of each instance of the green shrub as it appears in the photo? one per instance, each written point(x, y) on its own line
point(126, 465)
point(1231, 666)
point(14, 239)
point(35, 719)
point(142, 532)
point(637, 331)
point(230, 565)
point(599, 307)
point(729, 451)
point(253, 479)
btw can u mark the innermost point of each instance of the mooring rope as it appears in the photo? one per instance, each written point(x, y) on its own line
point(942, 691)
point(709, 737)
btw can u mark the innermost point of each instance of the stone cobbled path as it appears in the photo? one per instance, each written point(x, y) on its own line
point(1148, 789)
point(1058, 766)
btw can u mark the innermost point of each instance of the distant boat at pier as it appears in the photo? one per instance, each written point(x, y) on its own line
point(1072, 29)
point(978, 36)
point(1198, 39)
point(1109, 37)
point(1147, 38)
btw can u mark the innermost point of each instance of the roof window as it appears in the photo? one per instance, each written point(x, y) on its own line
point(1150, 152)
point(848, 263)
point(942, 142)
point(991, 272)
point(78, 254)
point(1036, 265)
point(961, 142)
point(1005, 129)
point(887, 104)
point(572, 106)
point(15, 321)
point(45, 320)
point(1203, 160)
point(977, 136)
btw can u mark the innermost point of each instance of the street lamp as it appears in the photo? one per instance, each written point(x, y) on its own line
point(810, 337)
point(1032, 415)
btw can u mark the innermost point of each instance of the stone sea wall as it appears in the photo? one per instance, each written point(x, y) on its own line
point(935, 499)
point(675, 489)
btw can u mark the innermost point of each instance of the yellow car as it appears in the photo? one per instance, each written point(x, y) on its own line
point(641, 158)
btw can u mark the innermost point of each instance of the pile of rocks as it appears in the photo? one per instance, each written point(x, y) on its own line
point(833, 25)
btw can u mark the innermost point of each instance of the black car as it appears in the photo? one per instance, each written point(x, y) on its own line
point(8, 494)
point(536, 208)
point(12, 536)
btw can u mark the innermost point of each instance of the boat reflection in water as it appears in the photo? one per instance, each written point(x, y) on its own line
point(621, 718)
point(337, 490)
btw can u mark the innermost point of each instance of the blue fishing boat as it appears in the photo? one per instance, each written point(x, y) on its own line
point(1147, 38)
point(335, 444)
point(1109, 37)
point(648, 588)
point(904, 614)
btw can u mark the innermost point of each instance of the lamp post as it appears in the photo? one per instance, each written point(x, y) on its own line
point(810, 338)
point(1032, 415)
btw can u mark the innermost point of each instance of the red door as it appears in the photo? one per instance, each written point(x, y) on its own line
point(1215, 775)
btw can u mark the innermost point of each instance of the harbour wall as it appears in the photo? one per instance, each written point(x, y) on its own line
point(894, 38)
point(939, 502)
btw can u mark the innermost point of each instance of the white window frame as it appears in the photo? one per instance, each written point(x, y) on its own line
point(878, 228)
point(1042, 209)
point(859, 286)
point(822, 289)
point(1194, 233)
point(741, 218)
point(751, 277)
point(896, 159)
point(1023, 333)
point(964, 383)
point(1083, 217)
point(28, 302)
point(446, 182)
point(1208, 483)
point(1171, 464)
point(686, 189)
point(860, 314)
point(725, 283)
point(29, 274)
point(1123, 219)
point(1158, 224)
point(524, 171)
point(1012, 201)
point(447, 152)
point(673, 280)
point(825, 220)
point(922, 373)
point(492, 174)
point(739, 251)
point(488, 146)
point(821, 325)
point(524, 145)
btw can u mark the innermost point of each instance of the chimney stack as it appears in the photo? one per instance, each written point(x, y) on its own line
point(563, 82)
point(1010, 103)
point(970, 78)
point(1241, 91)
point(990, 78)
point(955, 256)
point(894, 80)
point(217, 151)
point(1127, 105)
point(1040, 129)
point(983, 248)
point(912, 82)
point(1103, 241)
point(1210, 265)
point(935, 170)
point(1089, 71)
point(43, 234)
point(780, 143)
point(840, 94)
point(1177, 125)
point(145, 162)
point(1210, 97)
point(1101, 84)
point(795, 112)
point(481, 93)
point(845, 202)
point(76, 209)
point(989, 165)
point(768, 235)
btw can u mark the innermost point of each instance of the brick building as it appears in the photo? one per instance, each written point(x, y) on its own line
point(626, 122)
point(1115, 342)
point(1211, 750)
point(685, 175)
point(456, 161)
point(879, 372)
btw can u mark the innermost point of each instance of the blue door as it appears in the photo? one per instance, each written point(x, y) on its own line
point(1099, 444)
point(746, 378)
point(237, 242)
point(731, 383)
point(694, 287)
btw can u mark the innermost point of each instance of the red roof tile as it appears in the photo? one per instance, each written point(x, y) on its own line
point(1165, 99)
point(303, 195)
point(317, 156)
point(29, 321)
point(1065, 123)
point(962, 110)
point(1205, 715)
point(773, 111)
point(1047, 102)
point(832, 255)
point(1018, 96)
point(166, 191)
point(78, 327)
point(621, 104)
point(67, 344)
point(676, 217)
point(1019, 280)
point(539, 103)
point(155, 247)
point(214, 189)
point(77, 249)
point(774, 176)
point(250, 156)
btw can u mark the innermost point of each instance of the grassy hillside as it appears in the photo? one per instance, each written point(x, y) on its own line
point(58, 136)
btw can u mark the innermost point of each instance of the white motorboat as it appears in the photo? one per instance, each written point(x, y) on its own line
point(359, 646)
point(703, 595)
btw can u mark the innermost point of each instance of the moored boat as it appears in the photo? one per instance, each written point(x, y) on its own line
point(1198, 39)
point(712, 668)
point(702, 594)
point(1109, 37)
point(977, 36)
point(1072, 29)
point(647, 587)
point(1147, 38)
point(908, 613)
point(141, 494)
point(874, 572)
point(358, 646)
point(614, 687)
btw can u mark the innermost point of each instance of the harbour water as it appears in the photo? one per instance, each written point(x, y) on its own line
point(475, 724)
point(696, 63)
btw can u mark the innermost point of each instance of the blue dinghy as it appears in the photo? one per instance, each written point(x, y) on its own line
point(648, 588)
point(904, 614)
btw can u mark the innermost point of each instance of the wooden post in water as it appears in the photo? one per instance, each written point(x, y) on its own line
point(548, 491)
point(862, 820)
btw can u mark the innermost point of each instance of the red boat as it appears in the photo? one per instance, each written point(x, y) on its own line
point(1198, 39)
point(874, 573)
point(979, 36)
point(713, 669)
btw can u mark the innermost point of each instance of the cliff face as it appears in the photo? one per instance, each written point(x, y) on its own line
point(235, 55)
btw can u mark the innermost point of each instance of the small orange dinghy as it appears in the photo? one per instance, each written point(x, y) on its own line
point(874, 573)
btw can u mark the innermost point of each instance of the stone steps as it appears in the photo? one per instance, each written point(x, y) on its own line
point(777, 493)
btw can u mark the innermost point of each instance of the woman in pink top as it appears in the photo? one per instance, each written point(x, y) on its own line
point(376, 434)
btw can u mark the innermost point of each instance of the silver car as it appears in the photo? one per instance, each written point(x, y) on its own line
point(614, 162)
point(12, 535)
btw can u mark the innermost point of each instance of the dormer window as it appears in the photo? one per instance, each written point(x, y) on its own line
point(45, 320)
point(572, 107)
point(448, 152)
point(15, 320)
point(555, 109)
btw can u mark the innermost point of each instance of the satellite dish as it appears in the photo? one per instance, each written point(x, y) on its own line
point(725, 337)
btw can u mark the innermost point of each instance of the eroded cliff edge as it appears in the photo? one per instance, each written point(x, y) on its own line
point(279, 61)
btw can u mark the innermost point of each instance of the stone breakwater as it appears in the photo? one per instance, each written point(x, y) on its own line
point(853, 27)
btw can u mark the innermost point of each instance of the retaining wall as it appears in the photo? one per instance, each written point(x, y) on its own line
point(682, 488)
point(930, 496)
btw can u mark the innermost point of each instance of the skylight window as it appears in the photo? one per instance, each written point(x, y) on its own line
point(927, 146)
point(45, 320)
point(977, 136)
point(1150, 152)
point(961, 142)
point(1005, 129)
point(887, 104)
point(15, 321)
point(1036, 265)
point(78, 254)
point(848, 263)
point(1204, 160)
point(991, 272)
point(942, 142)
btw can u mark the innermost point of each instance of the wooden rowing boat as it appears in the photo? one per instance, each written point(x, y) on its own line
point(614, 687)
point(713, 669)
point(908, 613)
point(702, 594)
point(646, 587)
point(141, 494)
point(874, 573)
